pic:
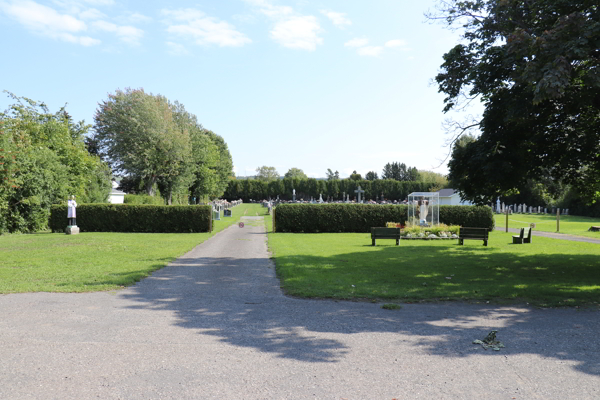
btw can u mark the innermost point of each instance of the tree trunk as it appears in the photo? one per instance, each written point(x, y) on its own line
point(149, 186)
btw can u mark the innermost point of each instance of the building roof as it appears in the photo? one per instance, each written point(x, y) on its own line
point(446, 192)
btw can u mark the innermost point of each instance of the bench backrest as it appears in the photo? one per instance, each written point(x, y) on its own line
point(391, 232)
point(473, 232)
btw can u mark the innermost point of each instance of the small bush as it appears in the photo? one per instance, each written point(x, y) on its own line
point(134, 218)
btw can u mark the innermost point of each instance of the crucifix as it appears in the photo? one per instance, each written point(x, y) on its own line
point(359, 191)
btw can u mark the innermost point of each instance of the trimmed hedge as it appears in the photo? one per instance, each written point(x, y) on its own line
point(313, 218)
point(134, 218)
point(468, 216)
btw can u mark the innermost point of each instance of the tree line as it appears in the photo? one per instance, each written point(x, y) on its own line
point(155, 145)
point(335, 189)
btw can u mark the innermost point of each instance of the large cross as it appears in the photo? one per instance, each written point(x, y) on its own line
point(359, 191)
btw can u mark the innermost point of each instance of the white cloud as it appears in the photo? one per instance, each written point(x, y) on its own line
point(338, 19)
point(91, 14)
point(276, 12)
point(100, 2)
point(395, 43)
point(48, 22)
point(356, 42)
point(138, 18)
point(204, 30)
point(298, 33)
point(127, 34)
point(291, 30)
point(373, 51)
point(177, 49)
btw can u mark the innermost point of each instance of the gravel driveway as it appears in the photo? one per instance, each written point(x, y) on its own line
point(215, 325)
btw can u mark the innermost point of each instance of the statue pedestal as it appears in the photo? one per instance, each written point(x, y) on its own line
point(72, 230)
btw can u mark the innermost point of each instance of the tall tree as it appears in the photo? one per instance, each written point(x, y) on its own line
point(266, 174)
point(371, 176)
point(332, 175)
point(355, 176)
point(296, 173)
point(141, 137)
point(534, 65)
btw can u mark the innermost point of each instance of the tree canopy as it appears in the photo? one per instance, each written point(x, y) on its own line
point(534, 64)
point(160, 144)
point(43, 160)
point(400, 172)
point(266, 174)
point(332, 175)
point(296, 173)
point(371, 176)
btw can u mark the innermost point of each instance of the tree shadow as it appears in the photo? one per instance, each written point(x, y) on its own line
point(239, 302)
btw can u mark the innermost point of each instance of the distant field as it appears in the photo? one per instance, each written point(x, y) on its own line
point(569, 224)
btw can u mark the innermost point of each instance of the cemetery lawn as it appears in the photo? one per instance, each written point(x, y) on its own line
point(95, 261)
point(569, 224)
point(546, 273)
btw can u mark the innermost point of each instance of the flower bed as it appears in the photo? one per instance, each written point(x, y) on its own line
point(441, 231)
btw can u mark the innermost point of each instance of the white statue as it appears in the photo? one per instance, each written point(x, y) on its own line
point(423, 211)
point(71, 211)
point(320, 197)
point(294, 192)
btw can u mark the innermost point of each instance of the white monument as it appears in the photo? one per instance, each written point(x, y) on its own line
point(72, 228)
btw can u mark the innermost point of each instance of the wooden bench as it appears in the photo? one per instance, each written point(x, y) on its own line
point(385, 233)
point(524, 236)
point(473, 234)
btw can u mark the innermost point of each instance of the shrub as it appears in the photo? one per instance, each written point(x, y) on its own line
point(312, 218)
point(134, 218)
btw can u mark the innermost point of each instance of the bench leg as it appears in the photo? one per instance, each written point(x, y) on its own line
point(485, 243)
point(397, 242)
point(373, 242)
point(460, 242)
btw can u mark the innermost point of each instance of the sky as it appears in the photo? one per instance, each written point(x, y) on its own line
point(346, 85)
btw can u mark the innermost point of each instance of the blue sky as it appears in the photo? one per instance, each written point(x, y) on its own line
point(345, 85)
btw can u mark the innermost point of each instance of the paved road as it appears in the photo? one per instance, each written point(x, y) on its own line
point(552, 235)
point(214, 325)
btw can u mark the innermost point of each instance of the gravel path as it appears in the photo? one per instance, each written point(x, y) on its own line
point(215, 325)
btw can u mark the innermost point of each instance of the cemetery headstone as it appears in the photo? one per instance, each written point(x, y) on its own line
point(359, 191)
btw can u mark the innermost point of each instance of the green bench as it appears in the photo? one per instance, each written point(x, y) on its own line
point(522, 237)
point(385, 233)
point(473, 234)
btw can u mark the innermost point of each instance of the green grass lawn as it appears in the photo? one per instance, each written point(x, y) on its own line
point(548, 272)
point(569, 224)
point(95, 261)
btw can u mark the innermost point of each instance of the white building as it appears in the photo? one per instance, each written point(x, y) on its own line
point(449, 197)
point(116, 196)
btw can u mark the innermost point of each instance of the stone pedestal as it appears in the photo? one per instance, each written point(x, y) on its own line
point(72, 230)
